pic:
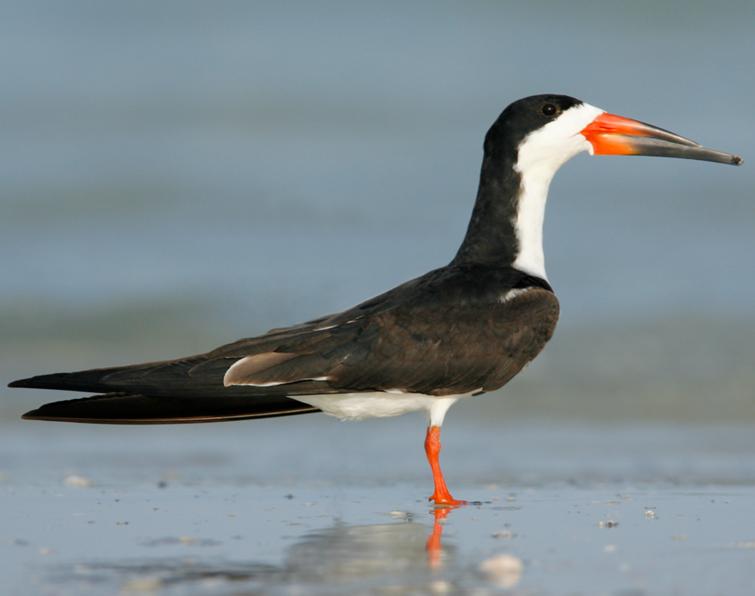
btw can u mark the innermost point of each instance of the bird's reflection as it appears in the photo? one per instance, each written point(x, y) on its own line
point(434, 544)
point(364, 551)
point(352, 557)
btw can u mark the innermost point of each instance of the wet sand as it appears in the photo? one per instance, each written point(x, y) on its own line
point(314, 506)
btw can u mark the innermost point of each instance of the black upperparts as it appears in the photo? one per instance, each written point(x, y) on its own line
point(491, 235)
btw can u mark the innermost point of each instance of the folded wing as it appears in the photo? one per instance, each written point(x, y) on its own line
point(431, 336)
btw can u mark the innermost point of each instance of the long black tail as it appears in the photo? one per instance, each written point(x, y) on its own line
point(159, 393)
point(122, 408)
point(106, 380)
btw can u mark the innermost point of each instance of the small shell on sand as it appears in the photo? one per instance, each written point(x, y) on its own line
point(503, 570)
point(441, 587)
point(77, 481)
point(141, 585)
point(405, 515)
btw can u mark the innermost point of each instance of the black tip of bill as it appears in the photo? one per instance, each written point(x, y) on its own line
point(719, 156)
point(663, 148)
point(706, 154)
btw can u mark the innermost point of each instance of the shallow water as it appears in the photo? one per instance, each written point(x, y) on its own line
point(311, 505)
point(554, 539)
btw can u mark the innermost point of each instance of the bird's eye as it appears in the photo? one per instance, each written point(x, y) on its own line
point(549, 109)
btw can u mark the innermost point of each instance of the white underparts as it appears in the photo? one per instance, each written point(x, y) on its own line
point(540, 155)
point(438, 410)
point(377, 404)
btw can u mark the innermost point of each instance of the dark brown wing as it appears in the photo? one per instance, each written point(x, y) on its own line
point(435, 347)
point(466, 350)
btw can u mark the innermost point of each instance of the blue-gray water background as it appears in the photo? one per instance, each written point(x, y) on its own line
point(176, 175)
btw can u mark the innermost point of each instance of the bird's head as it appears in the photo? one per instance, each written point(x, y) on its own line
point(531, 139)
point(548, 130)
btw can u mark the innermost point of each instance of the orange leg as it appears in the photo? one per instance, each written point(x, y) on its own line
point(441, 496)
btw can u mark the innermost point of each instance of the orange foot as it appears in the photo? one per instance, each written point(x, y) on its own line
point(444, 499)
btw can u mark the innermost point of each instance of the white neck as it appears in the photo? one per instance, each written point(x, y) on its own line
point(539, 157)
point(528, 223)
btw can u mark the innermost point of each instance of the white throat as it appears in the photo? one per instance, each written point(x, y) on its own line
point(540, 155)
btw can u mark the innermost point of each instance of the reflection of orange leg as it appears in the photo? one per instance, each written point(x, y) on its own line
point(433, 545)
point(441, 496)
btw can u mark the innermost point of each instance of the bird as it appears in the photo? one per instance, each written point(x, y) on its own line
point(458, 331)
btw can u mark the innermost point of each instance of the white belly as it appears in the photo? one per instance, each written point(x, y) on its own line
point(358, 406)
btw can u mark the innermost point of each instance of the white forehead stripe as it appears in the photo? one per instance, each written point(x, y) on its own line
point(541, 153)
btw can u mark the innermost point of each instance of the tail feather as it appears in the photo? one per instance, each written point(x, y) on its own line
point(125, 408)
point(92, 380)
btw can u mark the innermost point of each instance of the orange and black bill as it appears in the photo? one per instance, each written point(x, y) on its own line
point(615, 135)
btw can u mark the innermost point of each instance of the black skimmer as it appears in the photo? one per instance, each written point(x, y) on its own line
point(458, 331)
